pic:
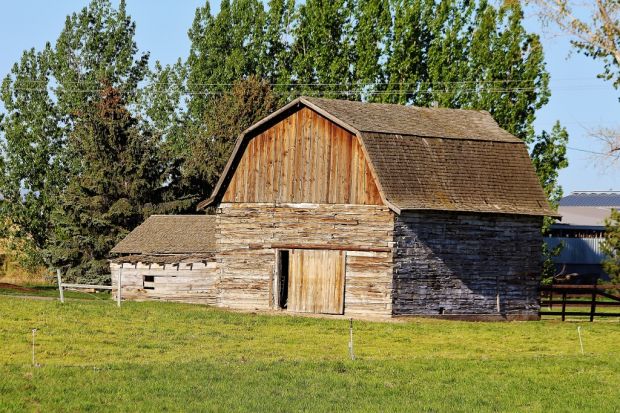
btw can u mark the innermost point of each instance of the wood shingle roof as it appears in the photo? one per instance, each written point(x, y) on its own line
point(170, 234)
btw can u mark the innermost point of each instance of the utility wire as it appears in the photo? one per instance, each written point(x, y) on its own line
point(592, 152)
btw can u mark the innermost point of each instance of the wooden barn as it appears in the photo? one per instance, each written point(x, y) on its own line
point(168, 257)
point(341, 207)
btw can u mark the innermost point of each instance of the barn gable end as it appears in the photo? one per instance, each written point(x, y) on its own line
point(303, 158)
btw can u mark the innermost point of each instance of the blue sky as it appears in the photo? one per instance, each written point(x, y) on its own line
point(579, 100)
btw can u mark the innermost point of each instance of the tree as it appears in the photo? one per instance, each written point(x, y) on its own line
point(321, 48)
point(115, 174)
point(32, 164)
point(44, 96)
point(596, 36)
point(549, 156)
point(225, 118)
point(224, 48)
point(471, 55)
point(611, 246)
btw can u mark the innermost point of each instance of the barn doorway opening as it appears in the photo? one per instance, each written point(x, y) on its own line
point(283, 277)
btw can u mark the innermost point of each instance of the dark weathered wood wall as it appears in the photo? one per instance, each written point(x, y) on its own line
point(249, 235)
point(303, 158)
point(461, 263)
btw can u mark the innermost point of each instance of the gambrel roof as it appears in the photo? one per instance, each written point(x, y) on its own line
point(426, 158)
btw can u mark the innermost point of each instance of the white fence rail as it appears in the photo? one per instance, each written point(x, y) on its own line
point(62, 286)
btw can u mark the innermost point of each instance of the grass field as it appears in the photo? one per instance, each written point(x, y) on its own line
point(162, 356)
point(49, 291)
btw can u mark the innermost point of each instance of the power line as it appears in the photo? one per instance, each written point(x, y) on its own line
point(592, 152)
point(292, 90)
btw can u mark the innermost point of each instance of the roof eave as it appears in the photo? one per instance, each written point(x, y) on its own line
point(502, 212)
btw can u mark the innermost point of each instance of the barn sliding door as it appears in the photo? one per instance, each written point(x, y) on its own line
point(316, 281)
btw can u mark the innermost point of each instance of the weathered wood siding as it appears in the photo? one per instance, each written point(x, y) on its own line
point(316, 281)
point(250, 234)
point(303, 158)
point(189, 283)
point(460, 263)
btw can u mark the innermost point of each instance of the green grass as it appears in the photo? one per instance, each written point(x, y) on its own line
point(158, 356)
point(52, 291)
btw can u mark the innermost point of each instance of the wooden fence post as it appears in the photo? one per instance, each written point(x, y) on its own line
point(62, 294)
point(563, 306)
point(593, 304)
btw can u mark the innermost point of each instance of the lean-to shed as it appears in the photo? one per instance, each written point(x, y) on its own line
point(340, 207)
point(169, 257)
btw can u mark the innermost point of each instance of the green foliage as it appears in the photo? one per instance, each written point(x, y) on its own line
point(225, 118)
point(32, 165)
point(611, 246)
point(243, 62)
point(115, 174)
point(50, 100)
point(549, 156)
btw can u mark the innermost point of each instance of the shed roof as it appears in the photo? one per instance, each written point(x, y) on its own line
point(170, 234)
point(427, 158)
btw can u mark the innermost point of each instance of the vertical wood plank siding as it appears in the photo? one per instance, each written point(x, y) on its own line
point(303, 158)
point(247, 260)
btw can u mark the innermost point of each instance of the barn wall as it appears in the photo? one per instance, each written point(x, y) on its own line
point(303, 158)
point(461, 261)
point(189, 283)
point(249, 235)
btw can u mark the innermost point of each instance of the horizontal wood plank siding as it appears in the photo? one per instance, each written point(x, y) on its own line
point(303, 158)
point(246, 257)
point(184, 282)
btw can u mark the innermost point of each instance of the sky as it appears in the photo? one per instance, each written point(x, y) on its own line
point(579, 100)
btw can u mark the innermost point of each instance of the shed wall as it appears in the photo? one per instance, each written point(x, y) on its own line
point(184, 282)
point(250, 234)
point(461, 262)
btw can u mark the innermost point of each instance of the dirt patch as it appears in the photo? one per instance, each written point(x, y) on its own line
point(7, 286)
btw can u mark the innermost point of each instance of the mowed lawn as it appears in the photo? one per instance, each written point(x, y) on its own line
point(158, 356)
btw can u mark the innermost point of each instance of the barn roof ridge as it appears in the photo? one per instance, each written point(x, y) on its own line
point(502, 178)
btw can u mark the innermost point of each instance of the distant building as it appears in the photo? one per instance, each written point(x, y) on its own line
point(582, 230)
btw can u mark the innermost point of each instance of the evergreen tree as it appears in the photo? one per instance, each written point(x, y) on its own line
point(114, 173)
